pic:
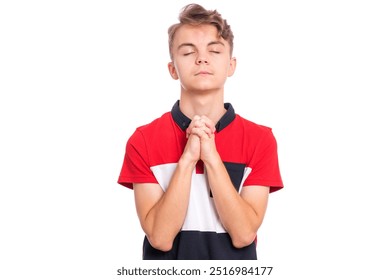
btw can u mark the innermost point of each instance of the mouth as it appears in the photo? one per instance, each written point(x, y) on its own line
point(203, 73)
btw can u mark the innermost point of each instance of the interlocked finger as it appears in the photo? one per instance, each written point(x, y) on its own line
point(201, 131)
point(202, 123)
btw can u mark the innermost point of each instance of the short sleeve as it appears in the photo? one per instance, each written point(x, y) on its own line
point(136, 167)
point(265, 164)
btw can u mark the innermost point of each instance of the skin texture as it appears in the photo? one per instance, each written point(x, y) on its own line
point(202, 63)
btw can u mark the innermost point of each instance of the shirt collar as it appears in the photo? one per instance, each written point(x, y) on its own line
point(183, 121)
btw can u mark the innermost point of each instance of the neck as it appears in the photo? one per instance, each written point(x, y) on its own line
point(211, 106)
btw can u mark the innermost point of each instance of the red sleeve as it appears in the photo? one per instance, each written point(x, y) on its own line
point(136, 167)
point(265, 164)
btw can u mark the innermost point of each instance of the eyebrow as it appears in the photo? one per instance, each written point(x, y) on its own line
point(192, 45)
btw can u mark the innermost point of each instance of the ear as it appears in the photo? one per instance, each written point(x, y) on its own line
point(172, 70)
point(232, 66)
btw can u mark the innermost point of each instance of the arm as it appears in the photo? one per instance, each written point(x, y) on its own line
point(162, 214)
point(241, 215)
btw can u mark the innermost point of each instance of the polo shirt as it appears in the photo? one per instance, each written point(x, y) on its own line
point(249, 153)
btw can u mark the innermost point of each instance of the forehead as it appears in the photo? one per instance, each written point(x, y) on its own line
point(199, 34)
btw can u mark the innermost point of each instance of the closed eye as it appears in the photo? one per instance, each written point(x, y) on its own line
point(189, 53)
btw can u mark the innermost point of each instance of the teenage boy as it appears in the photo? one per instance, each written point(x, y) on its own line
point(201, 173)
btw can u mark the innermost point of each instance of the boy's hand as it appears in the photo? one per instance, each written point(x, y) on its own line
point(200, 125)
point(204, 129)
point(192, 149)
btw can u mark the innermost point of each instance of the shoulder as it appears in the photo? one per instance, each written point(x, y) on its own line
point(253, 128)
point(158, 122)
point(158, 125)
point(146, 131)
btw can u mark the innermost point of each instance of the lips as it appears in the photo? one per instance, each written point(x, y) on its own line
point(203, 73)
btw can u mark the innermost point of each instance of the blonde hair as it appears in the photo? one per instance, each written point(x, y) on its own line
point(194, 14)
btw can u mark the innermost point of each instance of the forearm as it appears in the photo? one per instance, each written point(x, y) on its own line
point(165, 219)
point(237, 216)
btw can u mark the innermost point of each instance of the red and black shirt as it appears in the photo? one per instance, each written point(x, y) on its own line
point(249, 152)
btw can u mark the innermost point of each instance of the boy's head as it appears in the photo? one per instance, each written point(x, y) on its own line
point(194, 14)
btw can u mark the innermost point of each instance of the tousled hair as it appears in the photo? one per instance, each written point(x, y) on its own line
point(194, 14)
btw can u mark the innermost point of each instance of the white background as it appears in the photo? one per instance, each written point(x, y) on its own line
point(77, 77)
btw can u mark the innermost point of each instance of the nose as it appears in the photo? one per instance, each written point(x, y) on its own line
point(201, 60)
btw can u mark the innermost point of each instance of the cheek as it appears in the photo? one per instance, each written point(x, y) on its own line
point(182, 68)
point(181, 75)
point(226, 67)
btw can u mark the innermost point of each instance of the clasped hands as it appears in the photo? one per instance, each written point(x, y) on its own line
point(201, 139)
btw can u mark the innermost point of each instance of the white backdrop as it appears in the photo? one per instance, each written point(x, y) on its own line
point(77, 78)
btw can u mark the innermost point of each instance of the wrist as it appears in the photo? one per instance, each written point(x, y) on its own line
point(212, 160)
point(187, 163)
